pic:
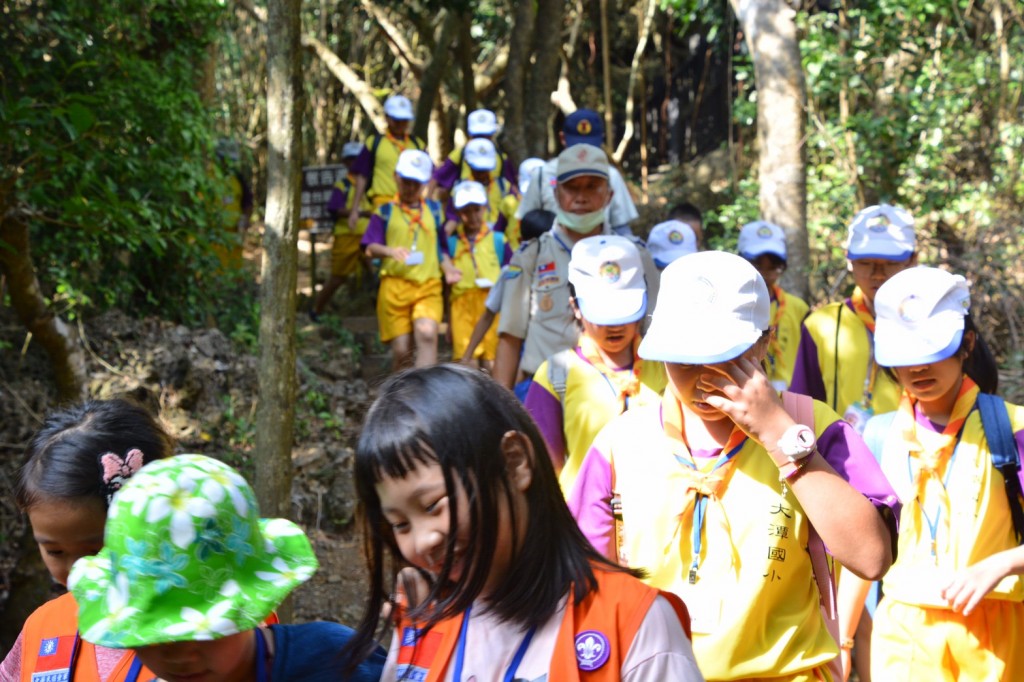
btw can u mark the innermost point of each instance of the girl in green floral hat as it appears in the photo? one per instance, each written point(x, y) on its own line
point(73, 466)
point(188, 576)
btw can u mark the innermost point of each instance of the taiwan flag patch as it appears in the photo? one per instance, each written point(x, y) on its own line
point(54, 661)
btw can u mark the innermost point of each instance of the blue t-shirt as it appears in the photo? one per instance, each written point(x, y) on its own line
point(311, 652)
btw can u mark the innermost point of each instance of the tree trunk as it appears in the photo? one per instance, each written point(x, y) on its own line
point(275, 412)
point(434, 73)
point(60, 341)
point(770, 32)
point(606, 69)
point(646, 19)
point(514, 131)
point(543, 77)
point(467, 62)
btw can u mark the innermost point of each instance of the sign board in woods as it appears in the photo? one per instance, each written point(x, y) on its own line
point(317, 182)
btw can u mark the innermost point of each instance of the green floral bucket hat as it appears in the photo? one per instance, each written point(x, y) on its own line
point(186, 558)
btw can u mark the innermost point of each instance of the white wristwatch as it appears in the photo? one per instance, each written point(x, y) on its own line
point(797, 444)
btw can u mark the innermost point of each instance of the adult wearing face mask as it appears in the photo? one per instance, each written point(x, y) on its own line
point(536, 318)
point(583, 126)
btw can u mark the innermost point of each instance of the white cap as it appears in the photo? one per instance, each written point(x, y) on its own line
point(481, 122)
point(582, 159)
point(919, 316)
point(670, 240)
point(712, 307)
point(414, 164)
point(526, 169)
point(609, 279)
point(350, 149)
point(398, 107)
point(881, 231)
point(480, 154)
point(760, 237)
point(469, 192)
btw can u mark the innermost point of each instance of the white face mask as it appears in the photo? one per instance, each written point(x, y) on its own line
point(580, 222)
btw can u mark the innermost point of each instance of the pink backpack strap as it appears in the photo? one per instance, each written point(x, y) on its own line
point(801, 409)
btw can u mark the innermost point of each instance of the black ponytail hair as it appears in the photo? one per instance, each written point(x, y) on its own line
point(63, 459)
point(980, 365)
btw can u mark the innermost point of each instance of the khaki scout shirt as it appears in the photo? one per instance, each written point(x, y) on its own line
point(535, 305)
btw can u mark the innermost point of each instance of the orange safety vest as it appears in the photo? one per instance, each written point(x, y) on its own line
point(614, 611)
point(48, 640)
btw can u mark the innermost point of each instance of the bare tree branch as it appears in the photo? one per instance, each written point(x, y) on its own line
point(641, 45)
point(395, 39)
point(350, 79)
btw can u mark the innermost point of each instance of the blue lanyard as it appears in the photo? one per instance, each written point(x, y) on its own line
point(74, 657)
point(460, 651)
point(261, 662)
point(700, 506)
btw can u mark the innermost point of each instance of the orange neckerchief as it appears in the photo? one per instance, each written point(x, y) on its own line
point(709, 483)
point(774, 345)
point(413, 217)
point(860, 306)
point(625, 384)
point(471, 246)
point(931, 465)
point(402, 144)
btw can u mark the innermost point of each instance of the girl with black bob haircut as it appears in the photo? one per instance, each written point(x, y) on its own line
point(454, 480)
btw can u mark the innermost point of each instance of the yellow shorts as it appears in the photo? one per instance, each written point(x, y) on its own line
point(919, 643)
point(819, 674)
point(400, 302)
point(346, 256)
point(467, 308)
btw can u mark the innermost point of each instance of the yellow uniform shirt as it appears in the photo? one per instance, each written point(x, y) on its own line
point(755, 605)
point(787, 332)
point(416, 230)
point(479, 262)
point(382, 183)
point(845, 361)
point(979, 525)
point(570, 426)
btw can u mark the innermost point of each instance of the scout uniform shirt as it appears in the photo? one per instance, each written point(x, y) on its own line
point(978, 524)
point(787, 315)
point(835, 364)
point(535, 306)
point(589, 401)
point(377, 161)
point(741, 564)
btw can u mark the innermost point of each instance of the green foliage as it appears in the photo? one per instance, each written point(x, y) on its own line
point(932, 124)
point(105, 149)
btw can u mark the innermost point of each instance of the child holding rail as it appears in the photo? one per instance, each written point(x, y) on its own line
point(514, 589)
point(954, 599)
point(75, 463)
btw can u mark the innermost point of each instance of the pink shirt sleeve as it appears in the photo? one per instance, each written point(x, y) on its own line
point(10, 669)
point(590, 500)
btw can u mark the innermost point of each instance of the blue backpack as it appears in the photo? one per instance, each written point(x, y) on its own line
point(995, 420)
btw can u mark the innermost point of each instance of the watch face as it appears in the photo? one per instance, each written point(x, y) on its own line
point(805, 437)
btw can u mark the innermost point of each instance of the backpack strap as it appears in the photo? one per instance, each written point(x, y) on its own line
point(435, 210)
point(499, 244)
point(376, 137)
point(558, 372)
point(801, 409)
point(995, 420)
